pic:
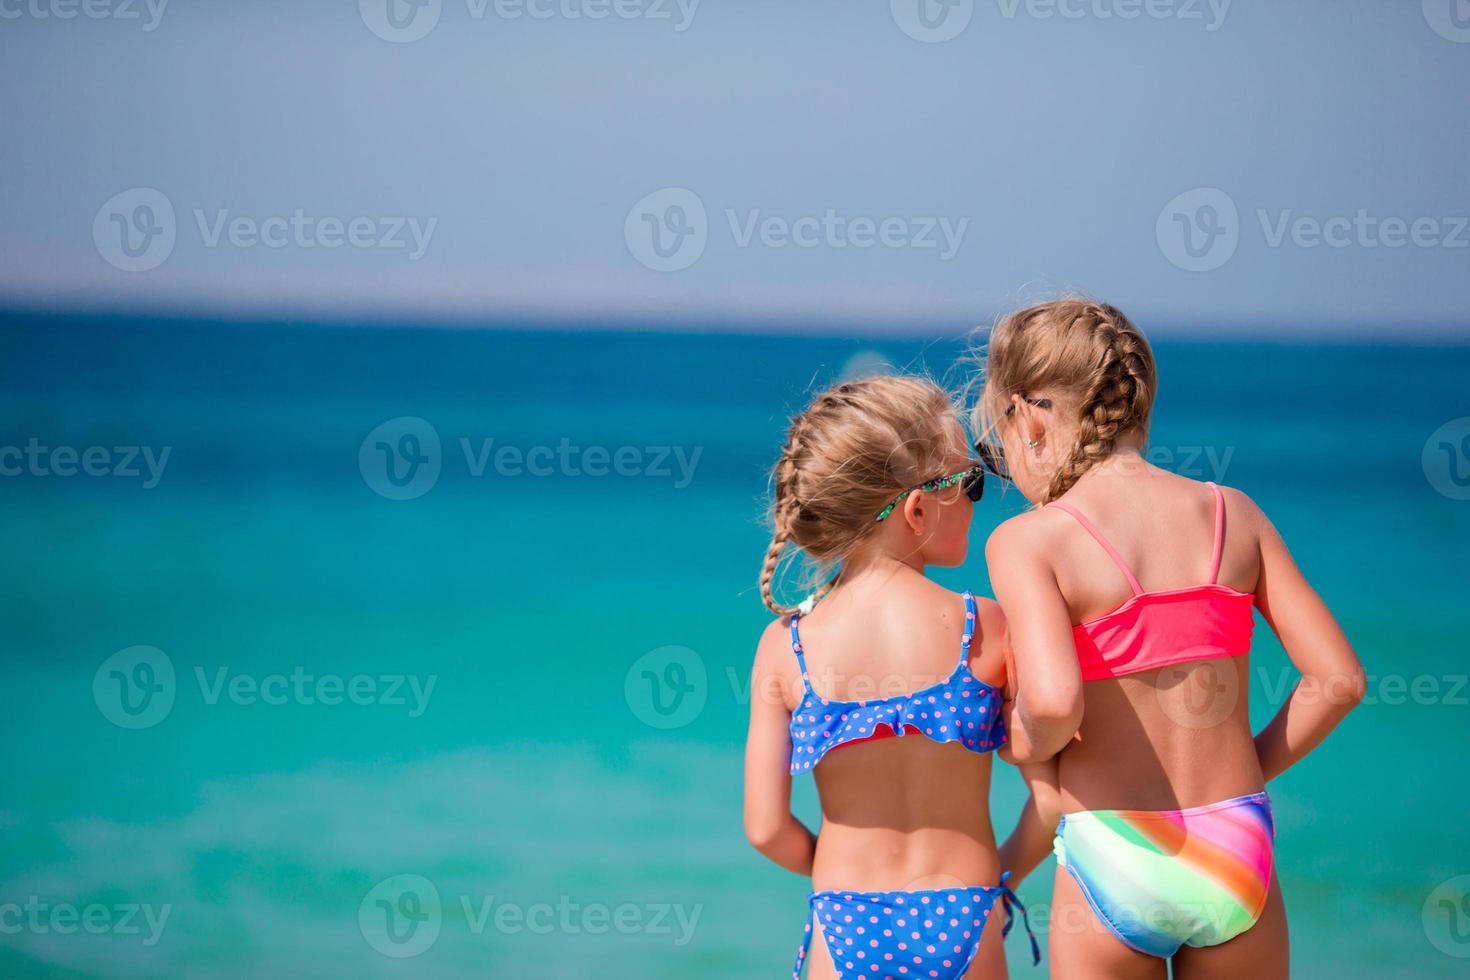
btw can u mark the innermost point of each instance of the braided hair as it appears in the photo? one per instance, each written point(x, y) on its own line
point(856, 447)
point(1088, 350)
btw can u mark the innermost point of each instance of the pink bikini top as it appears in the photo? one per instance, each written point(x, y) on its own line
point(1156, 629)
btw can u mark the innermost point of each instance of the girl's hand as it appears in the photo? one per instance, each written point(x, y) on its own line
point(1332, 681)
point(1031, 841)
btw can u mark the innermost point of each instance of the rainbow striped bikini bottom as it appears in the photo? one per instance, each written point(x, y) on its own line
point(1160, 879)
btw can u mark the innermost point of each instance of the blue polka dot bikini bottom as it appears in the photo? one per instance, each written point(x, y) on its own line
point(920, 935)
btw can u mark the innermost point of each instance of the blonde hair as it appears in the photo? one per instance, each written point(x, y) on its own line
point(1088, 351)
point(856, 447)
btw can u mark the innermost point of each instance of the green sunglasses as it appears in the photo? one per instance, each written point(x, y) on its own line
point(972, 480)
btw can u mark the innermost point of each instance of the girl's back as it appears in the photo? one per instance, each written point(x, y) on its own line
point(895, 809)
point(1177, 734)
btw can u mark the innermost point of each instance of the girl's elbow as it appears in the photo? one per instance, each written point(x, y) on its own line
point(762, 831)
point(1354, 688)
point(1058, 709)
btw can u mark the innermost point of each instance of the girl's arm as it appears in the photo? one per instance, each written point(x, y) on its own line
point(769, 824)
point(1047, 709)
point(1332, 681)
point(1031, 841)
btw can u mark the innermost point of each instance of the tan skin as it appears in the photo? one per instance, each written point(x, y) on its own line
point(1143, 741)
point(898, 813)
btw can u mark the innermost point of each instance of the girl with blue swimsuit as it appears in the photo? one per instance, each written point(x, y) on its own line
point(875, 481)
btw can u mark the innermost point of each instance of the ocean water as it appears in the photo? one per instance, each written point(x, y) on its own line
point(263, 719)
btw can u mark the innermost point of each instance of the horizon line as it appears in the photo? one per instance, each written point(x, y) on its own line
point(930, 326)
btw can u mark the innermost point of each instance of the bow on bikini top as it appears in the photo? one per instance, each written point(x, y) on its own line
point(1157, 629)
point(962, 708)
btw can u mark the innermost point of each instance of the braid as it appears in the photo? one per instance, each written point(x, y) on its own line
point(782, 516)
point(1118, 397)
point(855, 447)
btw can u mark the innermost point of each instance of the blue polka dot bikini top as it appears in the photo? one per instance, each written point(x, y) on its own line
point(962, 708)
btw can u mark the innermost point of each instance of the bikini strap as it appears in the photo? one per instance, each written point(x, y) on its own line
point(1009, 898)
point(806, 942)
point(1106, 544)
point(796, 649)
point(971, 624)
point(1219, 551)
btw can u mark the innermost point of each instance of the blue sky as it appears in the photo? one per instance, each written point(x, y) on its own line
point(1220, 166)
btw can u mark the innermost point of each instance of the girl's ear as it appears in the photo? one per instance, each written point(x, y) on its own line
point(915, 511)
point(1033, 421)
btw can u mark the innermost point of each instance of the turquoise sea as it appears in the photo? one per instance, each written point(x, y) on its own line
point(262, 719)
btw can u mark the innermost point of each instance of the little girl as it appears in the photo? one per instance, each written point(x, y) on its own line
point(1131, 593)
point(887, 692)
